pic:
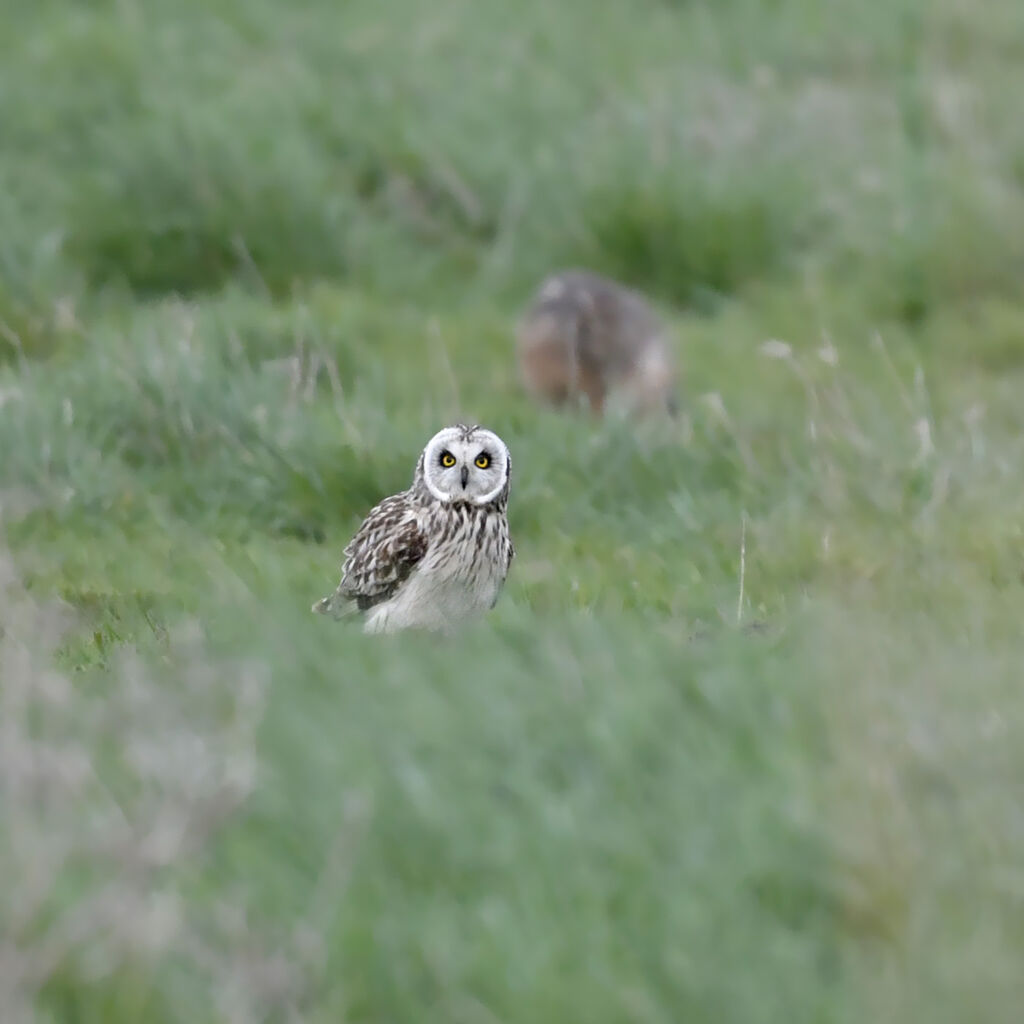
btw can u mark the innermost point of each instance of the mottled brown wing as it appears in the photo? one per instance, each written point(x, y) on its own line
point(385, 549)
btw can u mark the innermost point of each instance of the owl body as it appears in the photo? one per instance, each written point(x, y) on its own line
point(587, 335)
point(460, 576)
point(438, 553)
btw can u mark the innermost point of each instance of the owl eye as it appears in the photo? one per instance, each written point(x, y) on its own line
point(447, 460)
point(483, 460)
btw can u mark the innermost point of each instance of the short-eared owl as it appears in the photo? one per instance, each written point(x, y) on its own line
point(584, 334)
point(439, 552)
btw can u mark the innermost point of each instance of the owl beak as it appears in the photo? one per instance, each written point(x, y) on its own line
point(465, 476)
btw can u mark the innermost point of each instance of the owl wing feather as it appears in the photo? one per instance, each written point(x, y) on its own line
point(378, 560)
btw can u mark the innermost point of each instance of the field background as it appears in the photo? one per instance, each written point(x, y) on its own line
point(743, 741)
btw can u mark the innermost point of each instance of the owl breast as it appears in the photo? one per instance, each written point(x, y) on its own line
point(460, 576)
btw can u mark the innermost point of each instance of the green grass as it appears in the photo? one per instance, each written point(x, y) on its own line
point(742, 739)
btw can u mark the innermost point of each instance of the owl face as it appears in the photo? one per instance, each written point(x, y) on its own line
point(468, 464)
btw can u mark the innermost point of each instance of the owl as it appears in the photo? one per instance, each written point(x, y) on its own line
point(587, 335)
point(438, 553)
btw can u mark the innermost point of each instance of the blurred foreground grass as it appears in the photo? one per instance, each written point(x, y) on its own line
point(253, 256)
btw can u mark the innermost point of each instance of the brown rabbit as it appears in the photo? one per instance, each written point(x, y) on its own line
point(586, 334)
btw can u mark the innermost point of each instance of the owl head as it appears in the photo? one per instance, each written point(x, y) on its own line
point(465, 464)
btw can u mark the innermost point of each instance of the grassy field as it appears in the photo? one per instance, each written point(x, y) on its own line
point(742, 741)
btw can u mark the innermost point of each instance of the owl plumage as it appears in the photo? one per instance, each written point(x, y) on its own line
point(438, 553)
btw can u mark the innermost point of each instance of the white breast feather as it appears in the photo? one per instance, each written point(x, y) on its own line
point(460, 576)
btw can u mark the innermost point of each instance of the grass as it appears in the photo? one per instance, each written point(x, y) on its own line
point(253, 257)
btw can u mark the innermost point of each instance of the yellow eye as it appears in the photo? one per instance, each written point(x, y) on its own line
point(483, 460)
point(447, 460)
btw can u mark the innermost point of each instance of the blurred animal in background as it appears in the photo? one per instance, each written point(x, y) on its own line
point(438, 553)
point(587, 335)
